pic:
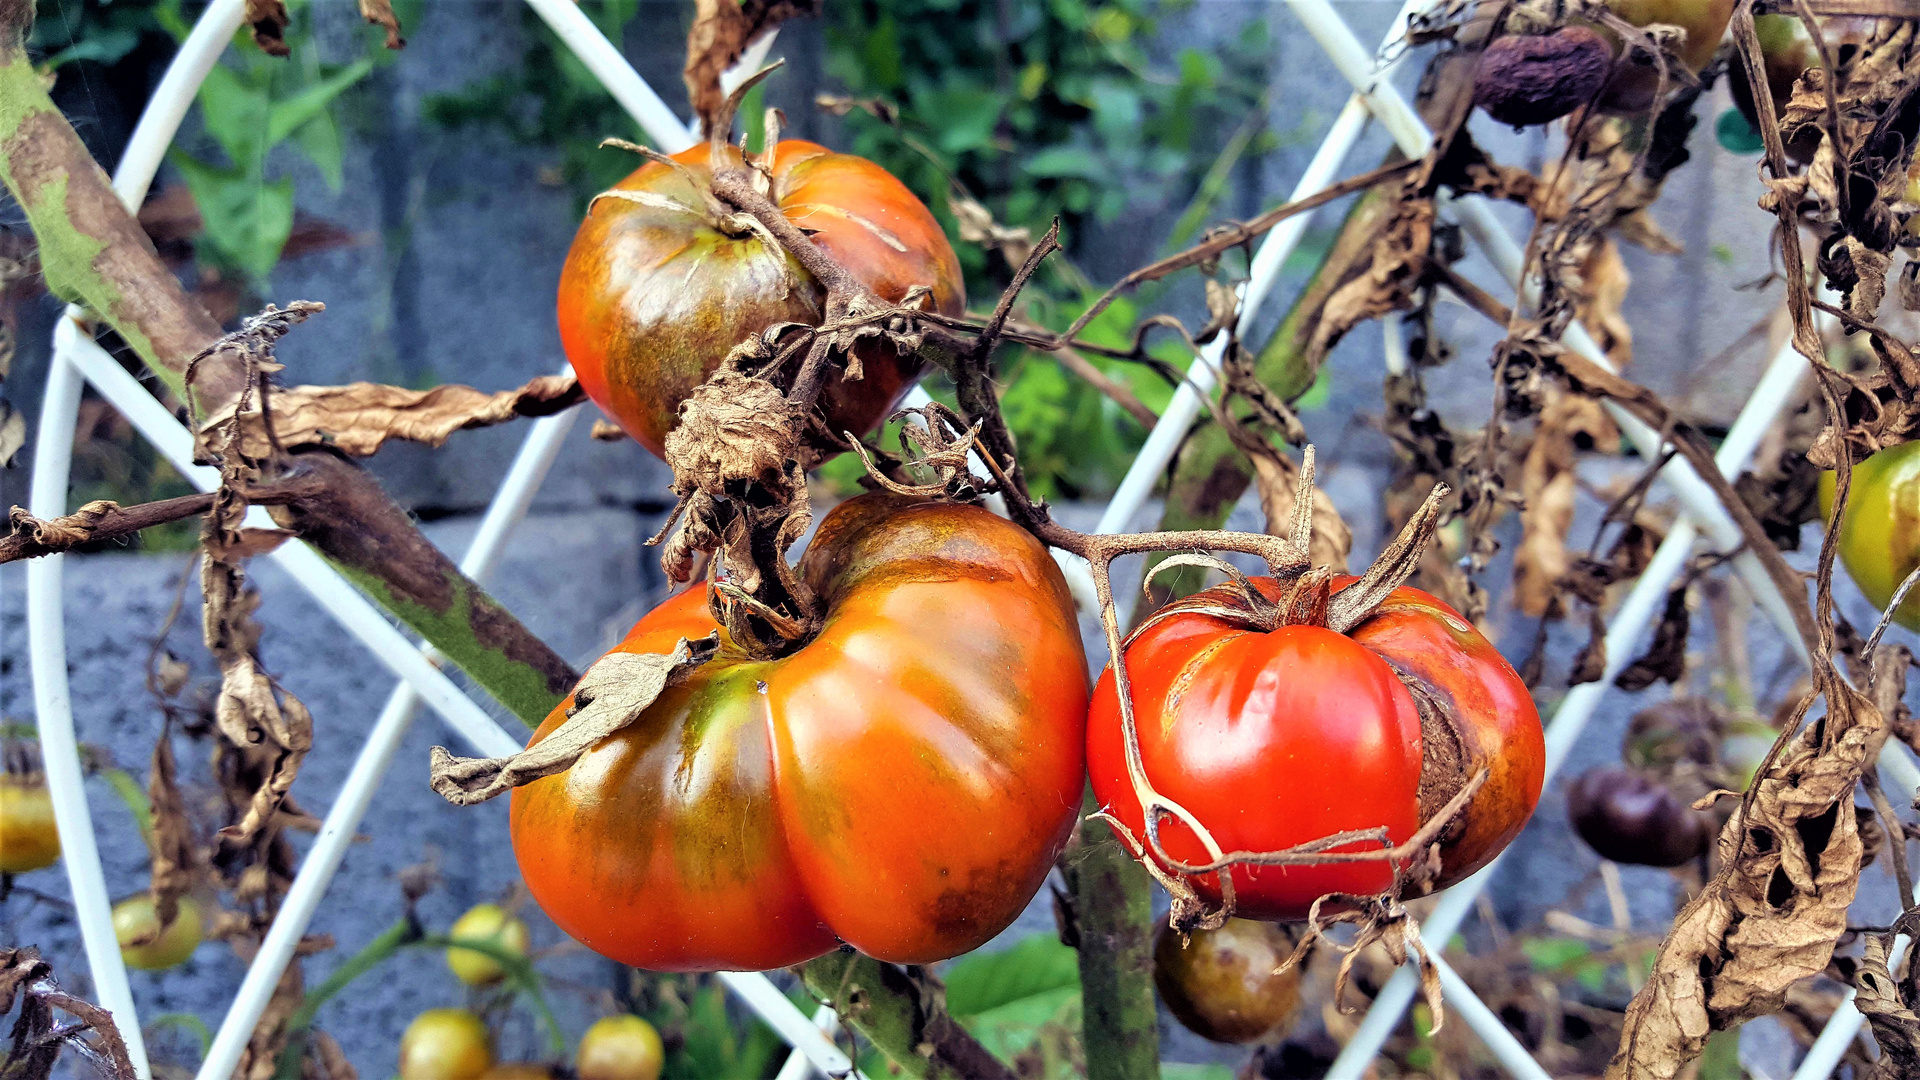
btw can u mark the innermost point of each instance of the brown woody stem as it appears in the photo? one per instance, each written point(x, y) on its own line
point(32, 537)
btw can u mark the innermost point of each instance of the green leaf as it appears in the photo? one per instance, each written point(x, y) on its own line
point(193, 1025)
point(247, 219)
point(967, 118)
point(1177, 1070)
point(1037, 965)
point(285, 116)
point(135, 799)
point(1066, 161)
point(1554, 954)
point(319, 139)
point(234, 109)
point(104, 46)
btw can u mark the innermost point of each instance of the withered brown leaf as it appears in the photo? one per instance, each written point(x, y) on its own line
point(359, 418)
point(721, 31)
point(611, 695)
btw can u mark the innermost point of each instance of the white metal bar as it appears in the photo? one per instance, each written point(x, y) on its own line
point(785, 1018)
point(797, 1067)
point(60, 748)
point(1465, 1004)
point(621, 80)
point(168, 106)
point(323, 859)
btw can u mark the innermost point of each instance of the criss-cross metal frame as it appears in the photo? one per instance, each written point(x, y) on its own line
point(77, 360)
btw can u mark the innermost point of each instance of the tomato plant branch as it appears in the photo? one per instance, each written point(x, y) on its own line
point(901, 1014)
point(1110, 896)
point(1227, 237)
point(31, 537)
point(92, 251)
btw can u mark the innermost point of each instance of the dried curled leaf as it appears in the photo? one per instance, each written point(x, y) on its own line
point(380, 13)
point(1895, 1027)
point(175, 856)
point(1278, 479)
point(36, 1040)
point(733, 429)
point(268, 21)
point(721, 31)
point(1791, 862)
point(1570, 424)
point(612, 694)
point(359, 417)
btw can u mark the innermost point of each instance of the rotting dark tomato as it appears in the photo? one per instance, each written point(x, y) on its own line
point(1629, 817)
point(902, 782)
point(1224, 984)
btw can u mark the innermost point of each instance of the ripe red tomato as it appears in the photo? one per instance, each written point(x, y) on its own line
point(1273, 739)
point(901, 783)
point(652, 297)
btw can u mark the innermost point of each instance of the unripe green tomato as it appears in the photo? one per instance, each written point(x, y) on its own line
point(623, 1047)
point(1880, 531)
point(445, 1044)
point(1221, 984)
point(1705, 22)
point(136, 921)
point(489, 923)
point(29, 839)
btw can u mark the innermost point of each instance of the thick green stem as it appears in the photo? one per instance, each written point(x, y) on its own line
point(373, 541)
point(1210, 474)
point(901, 1017)
point(91, 250)
point(1113, 911)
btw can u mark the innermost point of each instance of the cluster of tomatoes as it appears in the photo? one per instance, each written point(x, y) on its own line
point(904, 781)
point(456, 1043)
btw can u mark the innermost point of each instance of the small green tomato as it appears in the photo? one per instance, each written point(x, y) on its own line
point(144, 944)
point(445, 1044)
point(622, 1047)
point(491, 924)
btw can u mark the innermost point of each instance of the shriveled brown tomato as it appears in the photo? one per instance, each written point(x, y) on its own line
point(1629, 817)
point(658, 287)
point(29, 839)
point(1223, 984)
point(902, 782)
point(1273, 736)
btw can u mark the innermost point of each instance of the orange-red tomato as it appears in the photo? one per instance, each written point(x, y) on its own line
point(654, 294)
point(1276, 738)
point(902, 782)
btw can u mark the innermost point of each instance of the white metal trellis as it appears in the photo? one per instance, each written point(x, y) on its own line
point(77, 358)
